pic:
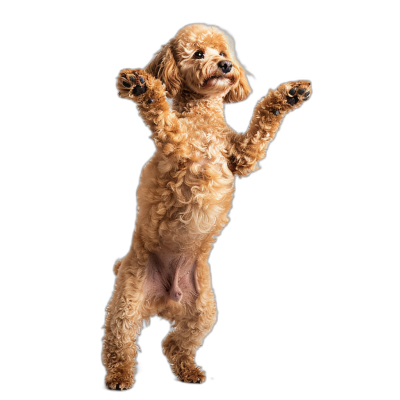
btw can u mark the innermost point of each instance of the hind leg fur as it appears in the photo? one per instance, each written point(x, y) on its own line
point(191, 326)
point(125, 314)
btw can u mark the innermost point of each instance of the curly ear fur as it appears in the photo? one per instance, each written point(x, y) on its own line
point(164, 67)
point(240, 91)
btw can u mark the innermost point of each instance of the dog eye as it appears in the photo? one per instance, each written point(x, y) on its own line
point(198, 55)
point(222, 54)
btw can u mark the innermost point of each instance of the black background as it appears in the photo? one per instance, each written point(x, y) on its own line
point(271, 268)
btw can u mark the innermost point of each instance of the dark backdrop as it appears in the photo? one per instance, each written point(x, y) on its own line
point(271, 269)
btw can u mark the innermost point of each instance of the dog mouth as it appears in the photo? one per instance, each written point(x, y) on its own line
point(212, 80)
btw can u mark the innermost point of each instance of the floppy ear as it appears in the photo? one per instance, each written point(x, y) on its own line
point(240, 91)
point(163, 67)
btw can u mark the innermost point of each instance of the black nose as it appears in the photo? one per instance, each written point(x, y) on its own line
point(225, 66)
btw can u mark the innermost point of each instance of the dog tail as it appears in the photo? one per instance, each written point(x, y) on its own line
point(116, 266)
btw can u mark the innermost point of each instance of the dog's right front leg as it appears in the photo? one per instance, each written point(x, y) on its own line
point(149, 93)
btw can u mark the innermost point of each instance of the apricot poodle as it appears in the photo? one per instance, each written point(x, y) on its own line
point(185, 193)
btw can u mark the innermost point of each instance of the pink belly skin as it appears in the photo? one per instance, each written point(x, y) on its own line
point(171, 276)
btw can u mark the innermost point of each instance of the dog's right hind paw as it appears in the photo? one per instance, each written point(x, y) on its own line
point(118, 381)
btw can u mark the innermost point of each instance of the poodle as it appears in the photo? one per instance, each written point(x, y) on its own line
point(185, 193)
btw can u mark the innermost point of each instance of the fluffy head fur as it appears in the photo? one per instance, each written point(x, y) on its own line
point(177, 66)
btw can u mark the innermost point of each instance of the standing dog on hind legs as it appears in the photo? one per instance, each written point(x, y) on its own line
point(185, 193)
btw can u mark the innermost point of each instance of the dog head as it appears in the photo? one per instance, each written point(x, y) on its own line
point(200, 60)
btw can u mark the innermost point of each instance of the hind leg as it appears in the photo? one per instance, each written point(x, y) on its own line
point(192, 323)
point(125, 314)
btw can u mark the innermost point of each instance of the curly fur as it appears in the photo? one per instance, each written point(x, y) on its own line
point(185, 194)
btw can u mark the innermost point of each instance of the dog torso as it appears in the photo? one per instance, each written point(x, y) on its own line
point(183, 204)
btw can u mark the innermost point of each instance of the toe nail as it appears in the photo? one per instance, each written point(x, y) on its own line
point(126, 84)
point(306, 94)
point(132, 78)
point(301, 91)
point(141, 79)
point(292, 91)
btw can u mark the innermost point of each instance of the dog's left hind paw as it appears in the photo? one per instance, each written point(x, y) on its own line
point(189, 372)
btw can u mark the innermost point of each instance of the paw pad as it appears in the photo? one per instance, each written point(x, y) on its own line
point(138, 90)
point(292, 100)
point(298, 92)
point(133, 81)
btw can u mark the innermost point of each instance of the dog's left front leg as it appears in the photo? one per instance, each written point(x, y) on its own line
point(244, 151)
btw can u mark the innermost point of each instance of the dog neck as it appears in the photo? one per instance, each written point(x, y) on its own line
point(190, 104)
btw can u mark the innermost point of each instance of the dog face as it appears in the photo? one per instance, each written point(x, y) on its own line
point(200, 60)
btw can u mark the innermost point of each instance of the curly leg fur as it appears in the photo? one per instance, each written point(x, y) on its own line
point(116, 266)
point(149, 93)
point(246, 150)
point(125, 314)
point(191, 326)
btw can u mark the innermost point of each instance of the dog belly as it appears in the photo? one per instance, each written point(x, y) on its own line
point(171, 276)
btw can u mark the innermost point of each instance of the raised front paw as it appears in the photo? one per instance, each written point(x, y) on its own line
point(296, 92)
point(140, 86)
point(132, 82)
